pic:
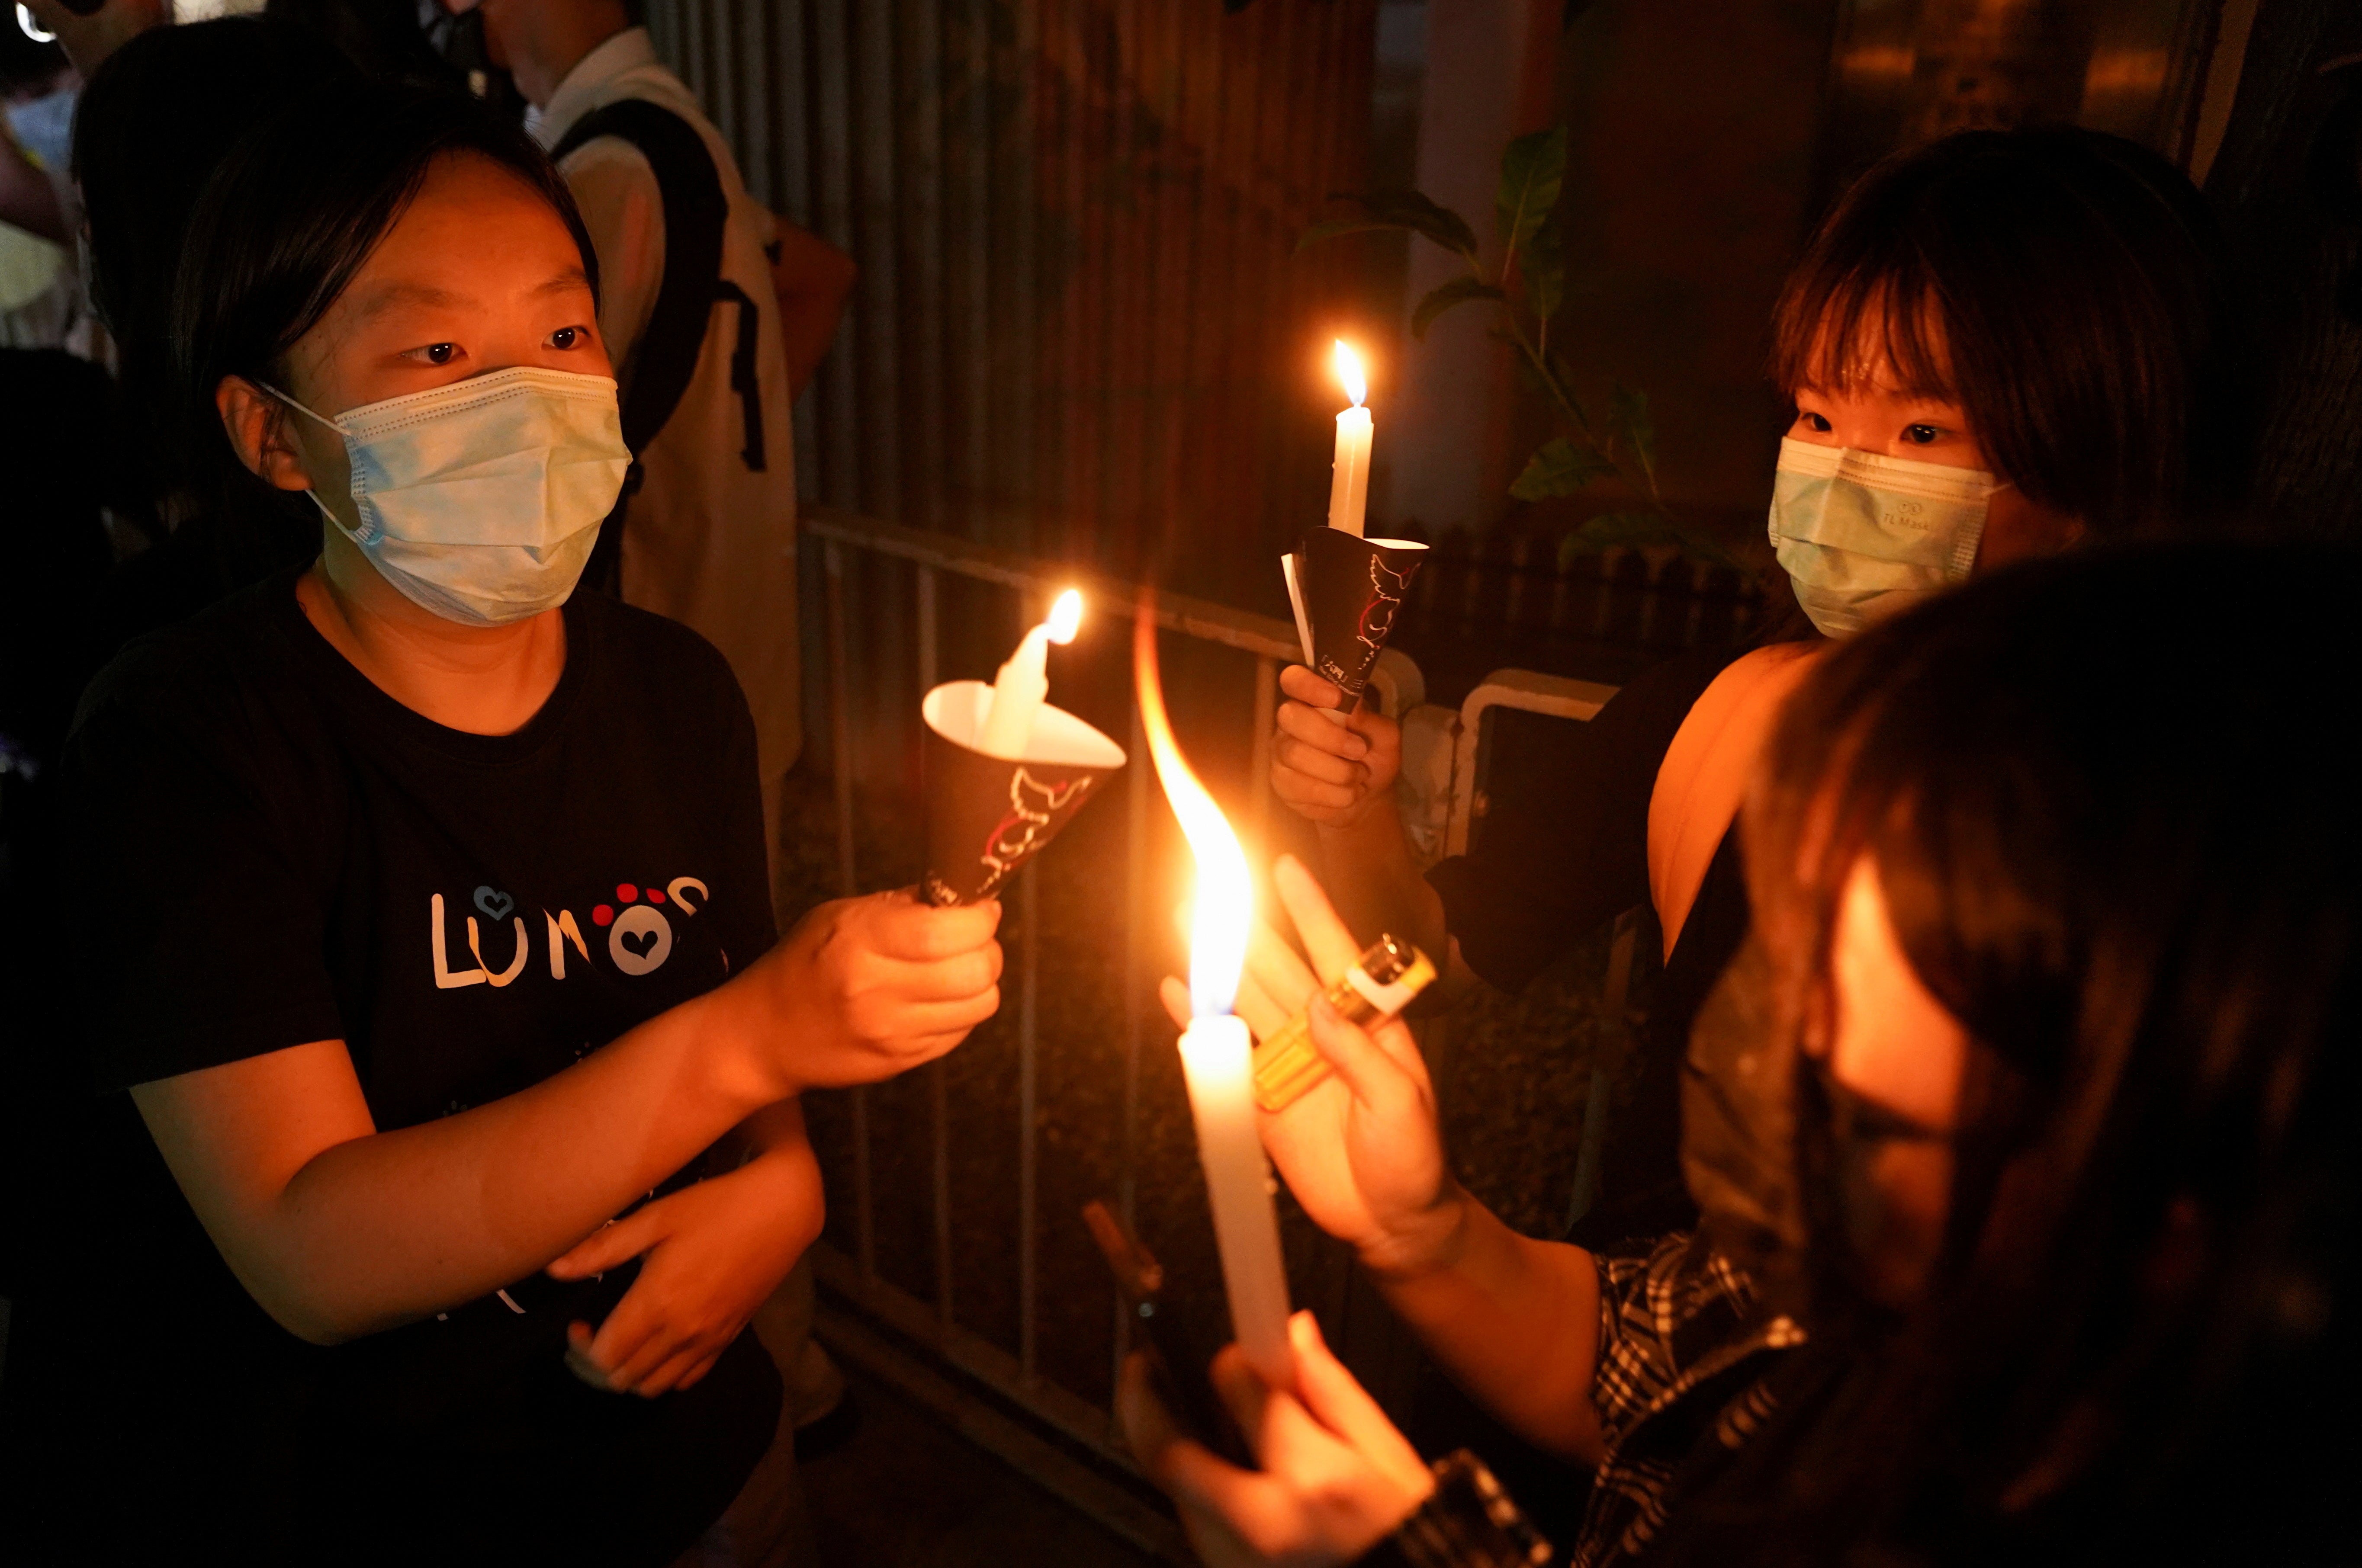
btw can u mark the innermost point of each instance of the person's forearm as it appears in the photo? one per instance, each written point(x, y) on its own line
point(777, 1126)
point(381, 1229)
point(1514, 1320)
point(1376, 884)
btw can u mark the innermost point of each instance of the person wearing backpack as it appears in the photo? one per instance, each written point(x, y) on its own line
point(718, 312)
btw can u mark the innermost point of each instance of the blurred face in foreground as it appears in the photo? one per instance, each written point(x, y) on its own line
point(1893, 1061)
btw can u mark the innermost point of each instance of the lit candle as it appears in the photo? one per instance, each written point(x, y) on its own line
point(1349, 484)
point(1216, 1058)
point(1023, 683)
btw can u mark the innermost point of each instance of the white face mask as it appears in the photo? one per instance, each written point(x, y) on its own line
point(1861, 536)
point(480, 500)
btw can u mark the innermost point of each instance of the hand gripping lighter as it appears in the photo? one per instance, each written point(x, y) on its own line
point(1380, 984)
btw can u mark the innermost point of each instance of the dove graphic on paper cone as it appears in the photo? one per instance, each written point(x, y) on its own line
point(1347, 591)
point(988, 815)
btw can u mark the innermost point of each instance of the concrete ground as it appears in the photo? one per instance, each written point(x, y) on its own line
point(908, 1493)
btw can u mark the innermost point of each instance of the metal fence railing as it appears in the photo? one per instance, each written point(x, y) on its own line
point(992, 1386)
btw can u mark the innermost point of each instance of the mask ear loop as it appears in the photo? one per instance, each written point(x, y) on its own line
point(312, 490)
point(299, 408)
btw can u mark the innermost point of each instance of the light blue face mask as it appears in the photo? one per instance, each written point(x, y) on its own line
point(44, 127)
point(1862, 535)
point(480, 500)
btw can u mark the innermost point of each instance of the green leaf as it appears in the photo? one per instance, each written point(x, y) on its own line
point(1615, 531)
point(1532, 170)
point(1409, 210)
point(1543, 268)
point(1628, 416)
point(1559, 468)
point(1460, 290)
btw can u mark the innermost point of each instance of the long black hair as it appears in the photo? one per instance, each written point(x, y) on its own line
point(2109, 801)
point(286, 224)
point(2070, 290)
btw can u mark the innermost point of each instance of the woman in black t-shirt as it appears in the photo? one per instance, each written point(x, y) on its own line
point(2000, 345)
point(425, 922)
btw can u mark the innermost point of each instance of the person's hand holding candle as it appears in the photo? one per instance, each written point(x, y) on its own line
point(1335, 1477)
point(1362, 1151)
point(1329, 767)
point(864, 988)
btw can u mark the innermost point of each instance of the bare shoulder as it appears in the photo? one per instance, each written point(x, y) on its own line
point(1736, 710)
point(1706, 769)
point(1760, 675)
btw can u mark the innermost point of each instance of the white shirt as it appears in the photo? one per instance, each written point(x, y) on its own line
point(711, 542)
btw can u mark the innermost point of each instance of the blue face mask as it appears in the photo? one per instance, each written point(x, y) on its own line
point(44, 127)
point(1862, 536)
point(480, 500)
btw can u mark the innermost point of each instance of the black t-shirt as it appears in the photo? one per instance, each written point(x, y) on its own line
point(265, 850)
point(1564, 846)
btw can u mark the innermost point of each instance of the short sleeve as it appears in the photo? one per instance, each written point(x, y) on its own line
point(624, 209)
point(1664, 1313)
point(198, 938)
point(1565, 843)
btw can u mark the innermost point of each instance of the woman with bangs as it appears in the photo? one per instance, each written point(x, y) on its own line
point(2000, 345)
point(2021, 1125)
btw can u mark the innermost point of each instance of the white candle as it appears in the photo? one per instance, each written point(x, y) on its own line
point(1018, 691)
point(1349, 483)
point(1217, 1061)
point(1216, 1058)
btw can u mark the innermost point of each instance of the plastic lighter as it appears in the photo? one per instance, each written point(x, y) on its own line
point(1380, 984)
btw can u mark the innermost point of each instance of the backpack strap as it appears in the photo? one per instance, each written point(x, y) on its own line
point(695, 208)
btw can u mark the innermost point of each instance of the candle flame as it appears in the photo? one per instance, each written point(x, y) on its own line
point(1225, 902)
point(1065, 617)
point(1348, 371)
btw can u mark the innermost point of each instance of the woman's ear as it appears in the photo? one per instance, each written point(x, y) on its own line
point(256, 423)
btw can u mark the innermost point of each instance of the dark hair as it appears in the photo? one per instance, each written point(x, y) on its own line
point(286, 224)
point(2068, 289)
point(2109, 800)
point(383, 38)
point(153, 123)
point(23, 63)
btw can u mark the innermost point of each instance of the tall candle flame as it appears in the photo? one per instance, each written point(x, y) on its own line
point(1348, 371)
point(1065, 617)
point(1225, 907)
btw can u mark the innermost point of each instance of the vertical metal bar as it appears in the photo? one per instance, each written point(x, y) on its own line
point(1135, 1005)
point(969, 308)
point(1607, 1061)
point(1028, 1085)
point(840, 715)
point(877, 202)
point(1266, 704)
point(865, 1214)
point(927, 647)
point(939, 1074)
point(939, 1098)
point(842, 384)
